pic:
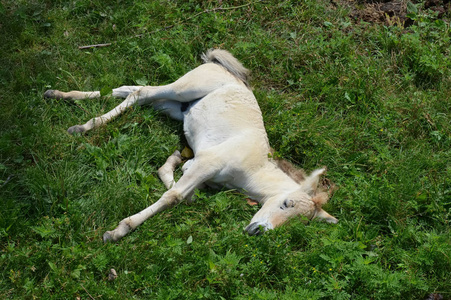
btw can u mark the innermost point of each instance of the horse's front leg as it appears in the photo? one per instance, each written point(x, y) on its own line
point(195, 176)
point(166, 172)
point(169, 199)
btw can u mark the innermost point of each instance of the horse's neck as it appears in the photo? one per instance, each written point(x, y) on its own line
point(269, 181)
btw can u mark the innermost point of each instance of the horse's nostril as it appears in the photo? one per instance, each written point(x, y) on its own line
point(250, 229)
point(256, 228)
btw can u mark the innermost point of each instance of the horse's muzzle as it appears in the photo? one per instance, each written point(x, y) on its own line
point(257, 228)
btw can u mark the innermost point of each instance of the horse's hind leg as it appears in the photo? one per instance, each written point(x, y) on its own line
point(129, 92)
point(192, 86)
point(72, 95)
point(120, 92)
point(125, 90)
point(169, 107)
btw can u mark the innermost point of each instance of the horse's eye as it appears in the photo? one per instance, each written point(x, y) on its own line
point(288, 203)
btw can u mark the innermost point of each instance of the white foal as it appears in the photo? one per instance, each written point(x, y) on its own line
point(224, 127)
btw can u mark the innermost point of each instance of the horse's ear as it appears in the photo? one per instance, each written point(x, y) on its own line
point(323, 215)
point(310, 184)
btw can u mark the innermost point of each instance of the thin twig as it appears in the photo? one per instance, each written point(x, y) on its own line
point(81, 108)
point(87, 292)
point(94, 46)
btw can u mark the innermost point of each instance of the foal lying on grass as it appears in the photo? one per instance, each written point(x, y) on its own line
point(224, 127)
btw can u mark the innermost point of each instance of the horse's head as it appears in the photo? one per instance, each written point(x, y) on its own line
point(306, 201)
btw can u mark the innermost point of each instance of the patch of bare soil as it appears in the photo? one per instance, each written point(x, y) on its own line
point(393, 12)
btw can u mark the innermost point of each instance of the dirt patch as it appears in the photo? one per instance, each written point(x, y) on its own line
point(441, 7)
point(388, 13)
point(393, 12)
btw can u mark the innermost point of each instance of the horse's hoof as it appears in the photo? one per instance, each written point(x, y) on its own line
point(76, 129)
point(107, 237)
point(53, 94)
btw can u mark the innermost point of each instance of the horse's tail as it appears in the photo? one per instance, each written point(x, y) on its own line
point(228, 61)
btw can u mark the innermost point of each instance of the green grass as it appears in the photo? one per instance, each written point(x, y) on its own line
point(370, 102)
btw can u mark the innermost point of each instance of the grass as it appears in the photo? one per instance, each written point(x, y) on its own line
point(370, 102)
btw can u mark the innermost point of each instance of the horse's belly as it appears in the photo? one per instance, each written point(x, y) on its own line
point(220, 116)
